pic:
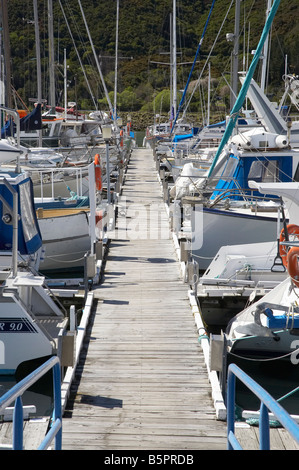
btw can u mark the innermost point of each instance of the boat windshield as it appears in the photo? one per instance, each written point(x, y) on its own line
point(27, 214)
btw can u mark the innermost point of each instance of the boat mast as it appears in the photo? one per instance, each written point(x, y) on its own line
point(51, 56)
point(174, 60)
point(116, 62)
point(171, 62)
point(209, 95)
point(38, 64)
point(235, 65)
point(265, 54)
point(6, 48)
point(65, 84)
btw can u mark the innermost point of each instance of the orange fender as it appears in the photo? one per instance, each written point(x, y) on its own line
point(292, 229)
point(293, 266)
point(98, 172)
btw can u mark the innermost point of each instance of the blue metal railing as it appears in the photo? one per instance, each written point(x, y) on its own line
point(15, 394)
point(267, 403)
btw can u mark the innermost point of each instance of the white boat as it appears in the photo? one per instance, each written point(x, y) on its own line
point(229, 211)
point(32, 326)
point(70, 228)
point(9, 150)
point(66, 129)
point(69, 223)
point(263, 338)
point(237, 275)
point(66, 238)
point(162, 131)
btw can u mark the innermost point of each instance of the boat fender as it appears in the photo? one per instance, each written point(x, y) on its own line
point(293, 266)
point(98, 172)
point(99, 216)
point(292, 229)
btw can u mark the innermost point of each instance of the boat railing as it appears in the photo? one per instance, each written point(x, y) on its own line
point(15, 395)
point(204, 184)
point(268, 403)
point(48, 176)
point(246, 194)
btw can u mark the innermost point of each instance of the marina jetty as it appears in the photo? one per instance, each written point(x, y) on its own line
point(142, 382)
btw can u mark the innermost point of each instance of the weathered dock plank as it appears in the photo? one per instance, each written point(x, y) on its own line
point(34, 431)
point(142, 383)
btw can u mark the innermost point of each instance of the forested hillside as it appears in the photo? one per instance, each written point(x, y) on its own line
point(143, 49)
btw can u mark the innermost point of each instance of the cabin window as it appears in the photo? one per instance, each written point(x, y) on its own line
point(57, 129)
point(229, 168)
point(256, 171)
point(271, 171)
point(264, 171)
point(46, 130)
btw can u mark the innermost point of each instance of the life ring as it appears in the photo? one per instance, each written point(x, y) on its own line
point(98, 172)
point(292, 229)
point(293, 266)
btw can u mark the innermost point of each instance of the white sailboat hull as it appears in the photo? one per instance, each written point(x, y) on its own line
point(66, 239)
point(212, 229)
point(236, 273)
point(31, 324)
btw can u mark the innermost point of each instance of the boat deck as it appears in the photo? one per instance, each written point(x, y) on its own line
point(143, 383)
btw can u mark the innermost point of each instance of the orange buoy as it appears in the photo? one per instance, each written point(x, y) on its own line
point(98, 172)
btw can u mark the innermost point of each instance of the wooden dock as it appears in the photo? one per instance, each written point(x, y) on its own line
point(142, 382)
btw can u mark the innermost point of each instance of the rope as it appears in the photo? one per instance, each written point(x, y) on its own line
point(260, 360)
point(272, 422)
point(54, 258)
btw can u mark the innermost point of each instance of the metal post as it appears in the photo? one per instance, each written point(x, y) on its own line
point(108, 172)
point(264, 428)
point(18, 425)
point(15, 219)
point(57, 403)
point(231, 391)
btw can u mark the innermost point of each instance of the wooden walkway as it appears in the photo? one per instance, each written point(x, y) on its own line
point(142, 382)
